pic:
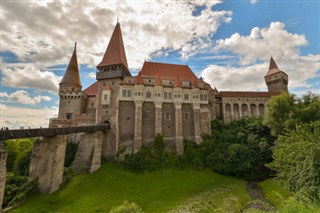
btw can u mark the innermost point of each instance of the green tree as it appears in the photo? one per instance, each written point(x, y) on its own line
point(297, 160)
point(279, 110)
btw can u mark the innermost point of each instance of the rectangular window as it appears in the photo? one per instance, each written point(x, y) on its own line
point(168, 116)
point(201, 97)
point(170, 95)
point(129, 93)
point(186, 97)
point(186, 116)
point(124, 93)
point(105, 97)
point(165, 95)
point(205, 97)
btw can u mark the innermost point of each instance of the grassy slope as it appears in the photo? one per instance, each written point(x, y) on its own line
point(274, 192)
point(154, 192)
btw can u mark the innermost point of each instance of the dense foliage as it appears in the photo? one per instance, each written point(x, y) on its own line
point(297, 161)
point(71, 151)
point(286, 111)
point(126, 207)
point(240, 149)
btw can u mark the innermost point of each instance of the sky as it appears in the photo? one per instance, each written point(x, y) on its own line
point(227, 42)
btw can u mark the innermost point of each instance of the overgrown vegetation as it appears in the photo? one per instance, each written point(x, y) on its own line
point(239, 149)
point(18, 160)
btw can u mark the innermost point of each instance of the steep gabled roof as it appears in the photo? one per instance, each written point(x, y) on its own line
point(72, 75)
point(167, 71)
point(115, 52)
point(92, 89)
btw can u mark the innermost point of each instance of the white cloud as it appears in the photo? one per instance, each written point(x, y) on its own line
point(23, 97)
point(253, 1)
point(16, 117)
point(29, 76)
point(91, 75)
point(260, 45)
point(45, 32)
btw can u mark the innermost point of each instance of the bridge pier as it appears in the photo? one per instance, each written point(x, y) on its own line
point(3, 173)
point(47, 163)
point(88, 157)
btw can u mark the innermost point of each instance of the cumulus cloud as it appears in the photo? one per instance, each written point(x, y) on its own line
point(253, 1)
point(29, 76)
point(44, 32)
point(91, 75)
point(16, 117)
point(23, 97)
point(254, 52)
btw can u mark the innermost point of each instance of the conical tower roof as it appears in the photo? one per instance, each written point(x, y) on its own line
point(273, 68)
point(115, 52)
point(72, 75)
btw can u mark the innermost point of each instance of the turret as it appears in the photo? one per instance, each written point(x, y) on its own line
point(114, 62)
point(71, 97)
point(276, 79)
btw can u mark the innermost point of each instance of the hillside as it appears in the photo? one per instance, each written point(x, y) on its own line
point(158, 191)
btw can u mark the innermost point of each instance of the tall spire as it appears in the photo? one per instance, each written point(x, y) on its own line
point(272, 64)
point(72, 75)
point(273, 68)
point(115, 52)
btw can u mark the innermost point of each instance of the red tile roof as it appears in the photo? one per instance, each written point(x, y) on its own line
point(72, 75)
point(115, 52)
point(247, 94)
point(167, 71)
point(92, 90)
point(158, 81)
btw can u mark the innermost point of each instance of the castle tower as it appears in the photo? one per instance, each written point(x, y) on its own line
point(110, 73)
point(276, 79)
point(71, 97)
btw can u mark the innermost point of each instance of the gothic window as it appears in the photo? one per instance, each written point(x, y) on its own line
point(105, 97)
point(201, 97)
point(124, 93)
point(148, 94)
point(186, 97)
point(186, 116)
point(129, 93)
point(168, 116)
point(205, 97)
point(170, 95)
point(165, 95)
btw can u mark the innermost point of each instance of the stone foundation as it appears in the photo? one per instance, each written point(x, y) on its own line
point(47, 163)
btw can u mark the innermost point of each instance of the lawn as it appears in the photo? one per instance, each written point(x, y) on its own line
point(274, 192)
point(160, 191)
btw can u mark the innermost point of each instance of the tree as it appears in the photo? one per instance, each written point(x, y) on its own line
point(279, 110)
point(297, 160)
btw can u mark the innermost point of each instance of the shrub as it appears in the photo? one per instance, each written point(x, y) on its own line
point(17, 188)
point(71, 152)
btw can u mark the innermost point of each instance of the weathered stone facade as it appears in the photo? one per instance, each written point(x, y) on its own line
point(47, 163)
point(163, 98)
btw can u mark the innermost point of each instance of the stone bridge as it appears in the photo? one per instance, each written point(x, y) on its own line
point(48, 155)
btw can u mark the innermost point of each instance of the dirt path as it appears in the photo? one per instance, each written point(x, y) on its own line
point(258, 199)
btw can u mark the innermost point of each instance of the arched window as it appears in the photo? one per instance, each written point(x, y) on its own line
point(148, 94)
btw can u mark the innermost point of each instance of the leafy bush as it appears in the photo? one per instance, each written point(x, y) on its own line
point(126, 207)
point(297, 161)
point(71, 152)
point(22, 162)
point(17, 188)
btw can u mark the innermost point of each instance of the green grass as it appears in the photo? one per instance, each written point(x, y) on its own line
point(158, 191)
point(274, 192)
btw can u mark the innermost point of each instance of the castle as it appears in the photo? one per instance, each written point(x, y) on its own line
point(168, 99)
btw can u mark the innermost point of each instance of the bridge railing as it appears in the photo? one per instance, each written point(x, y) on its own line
point(49, 132)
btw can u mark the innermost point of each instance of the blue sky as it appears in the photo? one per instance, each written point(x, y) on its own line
point(228, 43)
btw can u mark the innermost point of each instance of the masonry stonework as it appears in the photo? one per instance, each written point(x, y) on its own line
point(47, 163)
point(168, 99)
